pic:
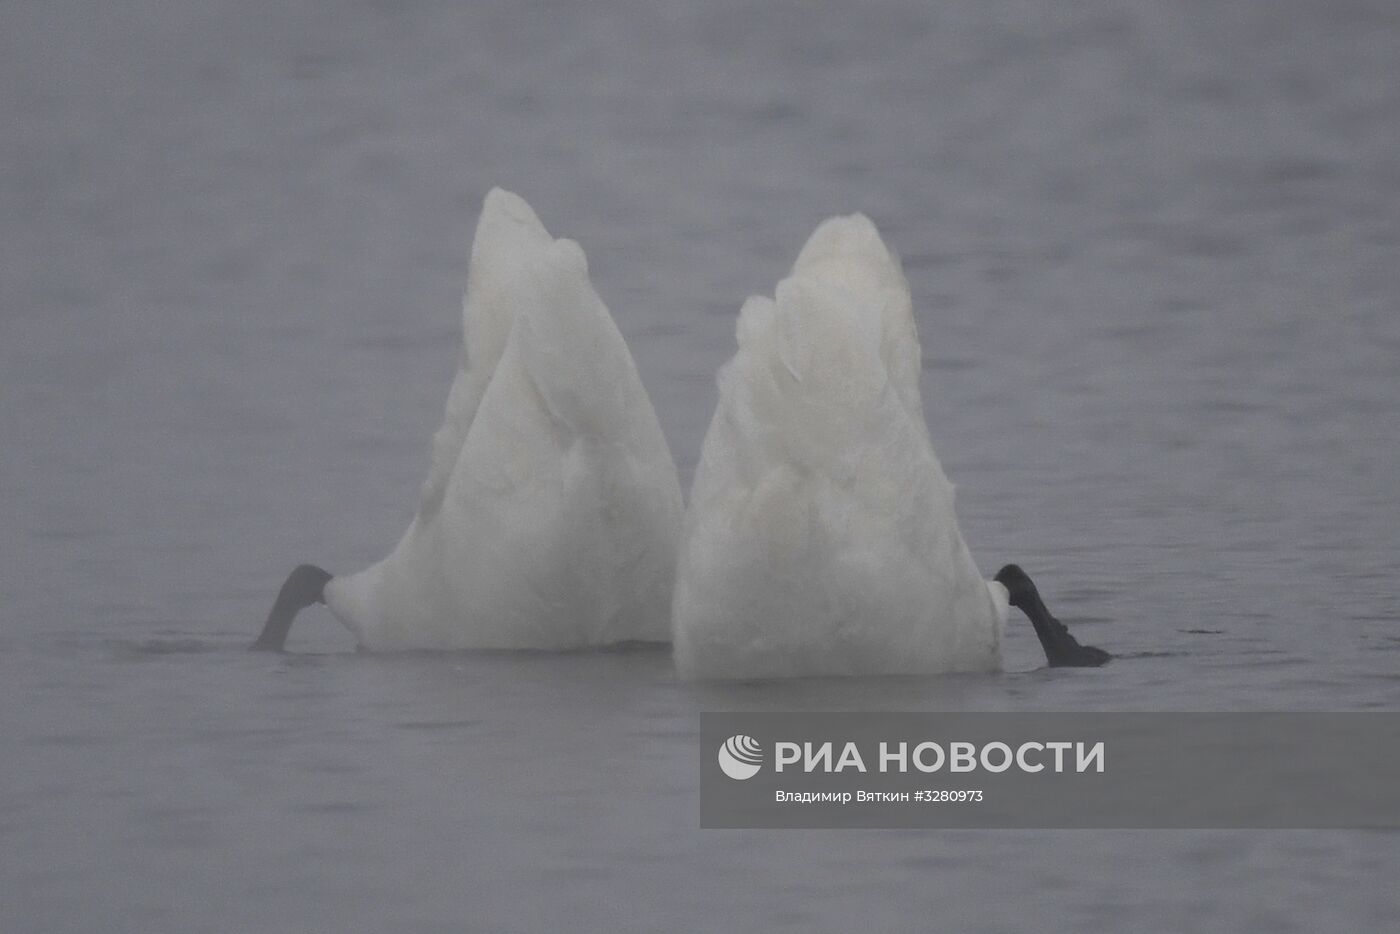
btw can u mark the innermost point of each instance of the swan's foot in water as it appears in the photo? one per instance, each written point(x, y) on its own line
point(305, 585)
point(1062, 650)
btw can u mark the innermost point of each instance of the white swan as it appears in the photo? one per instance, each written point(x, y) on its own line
point(821, 537)
point(552, 509)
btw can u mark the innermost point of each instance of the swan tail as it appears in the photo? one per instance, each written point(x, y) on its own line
point(1062, 650)
point(304, 586)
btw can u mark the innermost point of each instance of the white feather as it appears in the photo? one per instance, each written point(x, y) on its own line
point(552, 508)
point(821, 536)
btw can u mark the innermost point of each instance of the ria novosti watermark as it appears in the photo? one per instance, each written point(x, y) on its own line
point(928, 756)
point(1050, 770)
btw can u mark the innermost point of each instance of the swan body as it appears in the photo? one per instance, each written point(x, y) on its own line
point(821, 537)
point(552, 509)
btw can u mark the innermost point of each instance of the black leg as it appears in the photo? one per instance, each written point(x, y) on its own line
point(1062, 650)
point(304, 586)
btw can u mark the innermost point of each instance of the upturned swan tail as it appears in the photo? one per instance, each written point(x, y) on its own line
point(822, 536)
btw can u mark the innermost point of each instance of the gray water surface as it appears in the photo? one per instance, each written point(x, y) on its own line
point(1153, 249)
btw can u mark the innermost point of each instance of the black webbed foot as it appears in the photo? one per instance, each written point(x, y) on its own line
point(1062, 650)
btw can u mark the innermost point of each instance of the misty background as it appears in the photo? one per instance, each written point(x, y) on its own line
point(1152, 248)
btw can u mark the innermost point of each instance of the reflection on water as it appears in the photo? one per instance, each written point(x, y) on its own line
point(1152, 253)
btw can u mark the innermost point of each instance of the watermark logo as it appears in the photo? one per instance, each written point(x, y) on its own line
point(1084, 769)
point(740, 757)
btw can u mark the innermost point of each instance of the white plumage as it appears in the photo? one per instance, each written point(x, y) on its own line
point(821, 536)
point(552, 509)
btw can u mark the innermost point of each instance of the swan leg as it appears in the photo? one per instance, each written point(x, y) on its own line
point(304, 586)
point(1062, 650)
